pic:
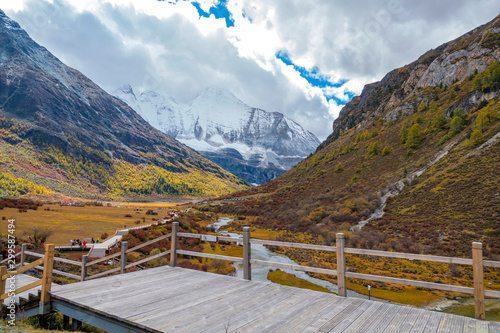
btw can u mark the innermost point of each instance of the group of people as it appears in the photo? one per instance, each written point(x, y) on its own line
point(82, 243)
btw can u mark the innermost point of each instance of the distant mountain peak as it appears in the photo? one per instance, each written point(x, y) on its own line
point(127, 89)
point(217, 122)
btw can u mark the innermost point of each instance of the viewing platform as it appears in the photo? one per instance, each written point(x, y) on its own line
point(173, 299)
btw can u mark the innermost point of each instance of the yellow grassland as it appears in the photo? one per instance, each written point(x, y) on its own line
point(69, 222)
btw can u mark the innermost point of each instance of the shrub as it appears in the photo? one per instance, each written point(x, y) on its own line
point(354, 179)
point(457, 123)
point(317, 215)
point(154, 252)
point(339, 168)
point(484, 117)
point(414, 137)
point(482, 104)
point(417, 120)
point(403, 132)
point(385, 151)
point(438, 122)
point(422, 106)
point(373, 149)
point(444, 139)
point(476, 137)
point(452, 95)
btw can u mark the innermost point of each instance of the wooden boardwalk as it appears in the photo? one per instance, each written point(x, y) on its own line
point(22, 280)
point(172, 299)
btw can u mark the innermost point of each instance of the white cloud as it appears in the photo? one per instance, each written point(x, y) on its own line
point(168, 47)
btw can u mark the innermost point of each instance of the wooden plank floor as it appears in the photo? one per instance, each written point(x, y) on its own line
point(171, 299)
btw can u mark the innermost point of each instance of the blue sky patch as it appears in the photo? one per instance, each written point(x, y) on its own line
point(247, 17)
point(219, 11)
point(315, 78)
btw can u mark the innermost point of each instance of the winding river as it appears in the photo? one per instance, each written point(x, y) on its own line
point(261, 252)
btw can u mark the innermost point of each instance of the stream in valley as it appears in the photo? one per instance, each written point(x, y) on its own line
point(261, 252)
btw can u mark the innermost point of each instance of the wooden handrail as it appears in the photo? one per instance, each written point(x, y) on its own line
point(66, 261)
point(150, 242)
point(221, 238)
point(103, 273)
point(294, 267)
point(209, 255)
point(111, 256)
point(7, 259)
point(21, 289)
point(294, 245)
point(58, 272)
point(156, 256)
point(491, 263)
point(476, 262)
point(341, 272)
point(388, 254)
point(22, 269)
point(45, 282)
point(409, 256)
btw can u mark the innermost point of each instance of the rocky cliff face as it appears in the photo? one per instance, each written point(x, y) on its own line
point(441, 67)
point(59, 109)
point(217, 124)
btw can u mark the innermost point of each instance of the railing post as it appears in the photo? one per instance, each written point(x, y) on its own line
point(123, 262)
point(341, 281)
point(247, 254)
point(174, 243)
point(477, 269)
point(3, 271)
point(84, 267)
point(48, 264)
point(76, 325)
point(23, 255)
point(66, 323)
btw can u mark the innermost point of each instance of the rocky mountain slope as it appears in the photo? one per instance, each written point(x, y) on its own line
point(251, 143)
point(420, 148)
point(60, 132)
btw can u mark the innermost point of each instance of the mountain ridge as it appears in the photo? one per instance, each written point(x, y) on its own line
point(219, 125)
point(58, 120)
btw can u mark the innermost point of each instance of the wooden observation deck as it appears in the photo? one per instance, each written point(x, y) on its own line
point(173, 299)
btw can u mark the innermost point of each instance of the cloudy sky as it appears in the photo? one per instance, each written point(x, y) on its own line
point(305, 58)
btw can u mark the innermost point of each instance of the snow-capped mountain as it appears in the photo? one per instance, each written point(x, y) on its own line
point(253, 144)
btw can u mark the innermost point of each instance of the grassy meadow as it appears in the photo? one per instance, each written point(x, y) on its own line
point(70, 222)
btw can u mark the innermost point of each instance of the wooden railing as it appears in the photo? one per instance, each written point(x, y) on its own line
point(476, 262)
point(46, 282)
point(123, 259)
